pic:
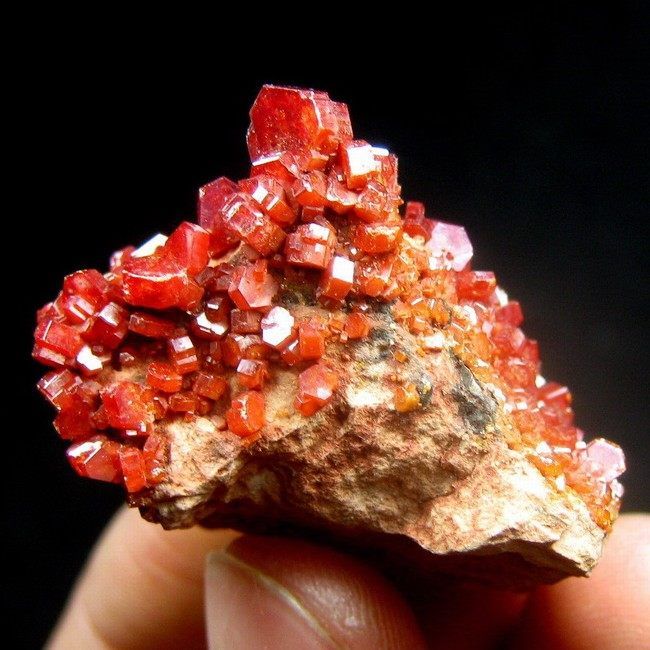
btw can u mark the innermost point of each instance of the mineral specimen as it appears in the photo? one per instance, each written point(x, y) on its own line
point(307, 359)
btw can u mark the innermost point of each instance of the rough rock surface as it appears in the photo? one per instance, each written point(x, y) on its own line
point(438, 487)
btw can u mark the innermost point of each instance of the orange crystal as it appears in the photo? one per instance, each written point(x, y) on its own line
point(246, 413)
point(252, 286)
point(357, 326)
point(337, 279)
point(406, 398)
point(252, 373)
point(311, 340)
point(316, 387)
point(209, 385)
point(162, 376)
point(182, 354)
point(376, 237)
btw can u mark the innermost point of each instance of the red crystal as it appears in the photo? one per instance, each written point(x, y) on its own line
point(108, 327)
point(56, 387)
point(236, 347)
point(209, 328)
point(76, 309)
point(268, 194)
point(359, 164)
point(282, 166)
point(209, 385)
point(212, 199)
point(75, 418)
point(98, 458)
point(311, 189)
point(59, 338)
point(339, 197)
point(118, 258)
point(555, 395)
point(372, 204)
point(376, 238)
point(253, 287)
point(246, 413)
point(133, 468)
point(189, 245)
point(316, 387)
point(292, 119)
point(310, 245)
point(518, 373)
point(154, 453)
point(84, 292)
point(357, 326)
point(245, 322)
point(337, 279)
point(510, 313)
point(162, 376)
point(128, 406)
point(291, 354)
point(530, 350)
point(151, 326)
point(182, 402)
point(182, 354)
point(159, 282)
point(251, 225)
point(375, 275)
point(48, 357)
point(416, 223)
point(507, 339)
point(90, 363)
point(476, 285)
point(218, 308)
point(222, 277)
point(311, 340)
point(252, 373)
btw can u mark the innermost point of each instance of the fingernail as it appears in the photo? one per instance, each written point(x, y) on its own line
point(246, 608)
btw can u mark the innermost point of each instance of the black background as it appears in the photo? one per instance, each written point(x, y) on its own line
point(532, 133)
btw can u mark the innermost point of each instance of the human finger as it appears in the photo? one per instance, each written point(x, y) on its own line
point(141, 588)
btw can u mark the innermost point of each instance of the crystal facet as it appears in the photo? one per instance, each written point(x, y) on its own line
point(277, 327)
point(246, 413)
point(316, 387)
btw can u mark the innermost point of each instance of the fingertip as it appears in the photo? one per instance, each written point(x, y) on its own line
point(608, 610)
point(299, 595)
point(142, 587)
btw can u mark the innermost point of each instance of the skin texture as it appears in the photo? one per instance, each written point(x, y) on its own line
point(148, 588)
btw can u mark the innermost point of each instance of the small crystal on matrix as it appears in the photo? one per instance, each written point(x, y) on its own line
point(162, 376)
point(246, 413)
point(338, 278)
point(316, 387)
point(210, 385)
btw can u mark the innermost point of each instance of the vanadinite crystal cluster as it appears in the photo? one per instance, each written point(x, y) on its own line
point(307, 295)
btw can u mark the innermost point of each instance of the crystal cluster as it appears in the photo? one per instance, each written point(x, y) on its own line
point(197, 323)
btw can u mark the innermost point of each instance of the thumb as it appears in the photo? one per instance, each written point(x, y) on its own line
point(265, 592)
